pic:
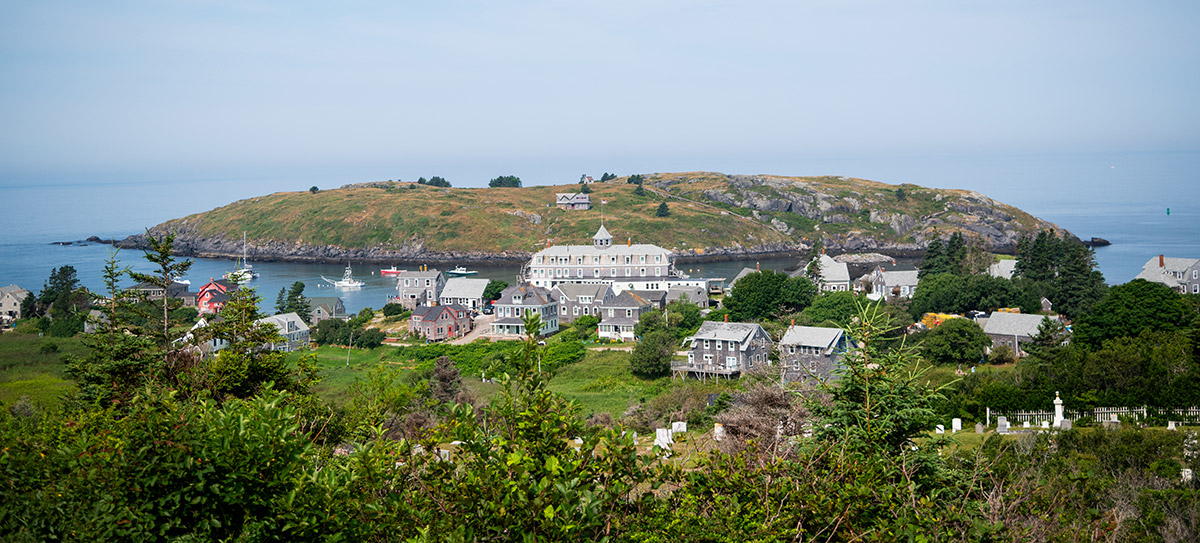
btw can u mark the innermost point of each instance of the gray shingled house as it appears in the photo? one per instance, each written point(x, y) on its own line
point(515, 301)
point(621, 314)
point(810, 353)
point(419, 287)
point(1013, 329)
point(580, 299)
point(439, 322)
point(726, 349)
point(464, 291)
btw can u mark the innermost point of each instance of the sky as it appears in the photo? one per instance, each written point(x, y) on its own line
point(332, 93)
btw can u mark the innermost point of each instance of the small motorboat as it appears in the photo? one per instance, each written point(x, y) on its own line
point(391, 271)
point(461, 272)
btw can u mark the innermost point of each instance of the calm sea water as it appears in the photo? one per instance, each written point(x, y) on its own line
point(1120, 197)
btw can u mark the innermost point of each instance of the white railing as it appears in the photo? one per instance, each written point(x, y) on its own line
point(1099, 414)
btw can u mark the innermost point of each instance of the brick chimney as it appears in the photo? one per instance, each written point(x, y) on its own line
point(1161, 261)
point(727, 317)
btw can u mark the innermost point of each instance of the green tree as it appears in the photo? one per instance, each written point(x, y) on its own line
point(607, 177)
point(295, 302)
point(636, 179)
point(1078, 284)
point(281, 301)
point(1130, 309)
point(505, 181)
point(313, 189)
point(118, 363)
point(662, 210)
point(835, 308)
point(438, 181)
point(936, 260)
point(651, 357)
point(639, 191)
point(244, 367)
point(167, 271)
point(956, 341)
point(494, 288)
point(767, 294)
point(939, 293)
point(585, 189)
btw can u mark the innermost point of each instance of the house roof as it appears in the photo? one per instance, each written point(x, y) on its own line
point(572, 198)
point(418, 274)
point(617, 249)
point(741, 332)
point(330, 303)
point(602, 233)
point(692, 294)
point(1013, 324)
point(900, 278)
point(1168, 273)
point(741, 274)
point(16, 291)
point(1003, 269)
point(627, 299)
point(540, 296)
point(655, 297)
point(812, 336)
point(431, 313)
point(281, 322)
point(833, 271)
point(572, 291)
point(464, 287)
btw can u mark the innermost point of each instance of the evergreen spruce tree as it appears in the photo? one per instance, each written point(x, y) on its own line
point(168, 270)
point(936, 260)
point(662, 210)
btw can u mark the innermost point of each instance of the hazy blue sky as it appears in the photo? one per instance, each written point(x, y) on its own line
point(347, 91)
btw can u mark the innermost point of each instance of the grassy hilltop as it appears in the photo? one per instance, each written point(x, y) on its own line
point(709, 212)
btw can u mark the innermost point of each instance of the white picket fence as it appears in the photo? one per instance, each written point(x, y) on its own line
point(1099, 414)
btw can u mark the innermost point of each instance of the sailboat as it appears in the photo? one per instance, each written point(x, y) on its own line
point(244, 271)
point(347, 280)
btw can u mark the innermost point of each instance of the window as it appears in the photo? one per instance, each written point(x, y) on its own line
point(708, 359)
point(611, 312)
point(643, 271)
point(1195, 274)
point(731, 362)
point(627, 273)
point(612, 272)
point(1196, 288)
point(628, 312)
point(596, 272)
point(642, 259)
point(691, 359)
point(706, 344)
point(657, 258)
point(574, 310)
point(580, 273)
point(426, 282)
point(657, 272)
point(627, 259)
point(791, 349)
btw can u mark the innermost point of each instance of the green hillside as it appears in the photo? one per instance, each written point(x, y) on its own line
point(708, 211)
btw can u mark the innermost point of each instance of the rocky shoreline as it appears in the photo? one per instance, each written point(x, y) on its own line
point(208, 247)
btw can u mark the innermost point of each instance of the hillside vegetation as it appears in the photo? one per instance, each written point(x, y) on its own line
point(709, 213)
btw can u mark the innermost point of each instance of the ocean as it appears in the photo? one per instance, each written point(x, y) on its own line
point(1122, 197)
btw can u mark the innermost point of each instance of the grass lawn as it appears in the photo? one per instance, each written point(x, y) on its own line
point(337, 376)
point(603, 383)
point(27, 371)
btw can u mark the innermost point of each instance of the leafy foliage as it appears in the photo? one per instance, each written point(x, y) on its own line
point(505, 181)
point(652, 355)
point(494, 288)
point(768, 294)
point(956, 341)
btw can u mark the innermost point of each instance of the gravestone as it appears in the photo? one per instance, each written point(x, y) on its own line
point(662, 438)
point(444, 454)
point(1170, 425)
point(1115, 418)
point(677, 427)
point(1026, 425)
point(939, 429)
point(955, 425)
point(718, 432)
point(1045, 425)
point(979, 427)
point(579, 441)
point(635, 439)
point(1065, 424)
point(1111, 425)
point(1002, 425)
point(1186, 475)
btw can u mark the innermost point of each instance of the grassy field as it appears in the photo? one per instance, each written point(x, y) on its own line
point(27, 371)
point(337, 375)
point(602, 383)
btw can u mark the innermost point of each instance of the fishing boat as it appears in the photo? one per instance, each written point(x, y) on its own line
point(461, 272)
point(391, 271)
point(244, 271)
point(347, 280)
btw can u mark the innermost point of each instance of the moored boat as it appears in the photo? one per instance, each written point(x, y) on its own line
point(347, 280)
point(461, 272)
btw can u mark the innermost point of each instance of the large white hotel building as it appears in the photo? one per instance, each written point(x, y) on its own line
point(626, 267)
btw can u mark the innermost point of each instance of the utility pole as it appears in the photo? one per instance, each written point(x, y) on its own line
point(348, 347)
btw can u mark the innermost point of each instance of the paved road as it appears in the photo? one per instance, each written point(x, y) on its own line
point(483, 324)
